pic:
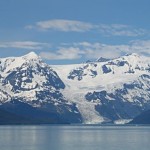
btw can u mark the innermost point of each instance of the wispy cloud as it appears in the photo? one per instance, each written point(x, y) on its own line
point(30, 45)
point(112, 51)
point(80, 26)
point(121, 30)
point(140, 46)
point(62, 25)
point(63, 54)
point(94, 50)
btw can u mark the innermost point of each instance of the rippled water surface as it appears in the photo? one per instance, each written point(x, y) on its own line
point(74, 137)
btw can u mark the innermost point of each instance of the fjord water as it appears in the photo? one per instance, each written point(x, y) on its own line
point(74, 137)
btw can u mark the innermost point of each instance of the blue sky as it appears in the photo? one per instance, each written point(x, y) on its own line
point(73, 31)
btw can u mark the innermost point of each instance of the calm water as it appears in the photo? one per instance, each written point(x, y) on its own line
point(74, 138)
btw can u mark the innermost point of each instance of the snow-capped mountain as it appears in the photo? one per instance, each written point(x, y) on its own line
point(93, 92)
point(117, 89)
point(29, 80)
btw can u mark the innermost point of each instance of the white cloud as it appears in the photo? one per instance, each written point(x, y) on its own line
point(121, 30)
point(62, 25)
point(79, 26)
point(95, 50)
point(63, 53)
point(24, 45)
point(113, 51)
point(140, 46)
point(81, 50)
point(89, 51)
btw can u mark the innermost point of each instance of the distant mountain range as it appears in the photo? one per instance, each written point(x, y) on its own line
point(101, 91)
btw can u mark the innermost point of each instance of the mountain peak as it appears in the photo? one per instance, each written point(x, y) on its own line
point(102, 59)
point(133, 54)
point(31, 55)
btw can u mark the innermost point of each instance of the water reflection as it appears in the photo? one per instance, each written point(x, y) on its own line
point(74, 138)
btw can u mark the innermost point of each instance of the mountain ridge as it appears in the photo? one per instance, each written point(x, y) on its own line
point(93, 92)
